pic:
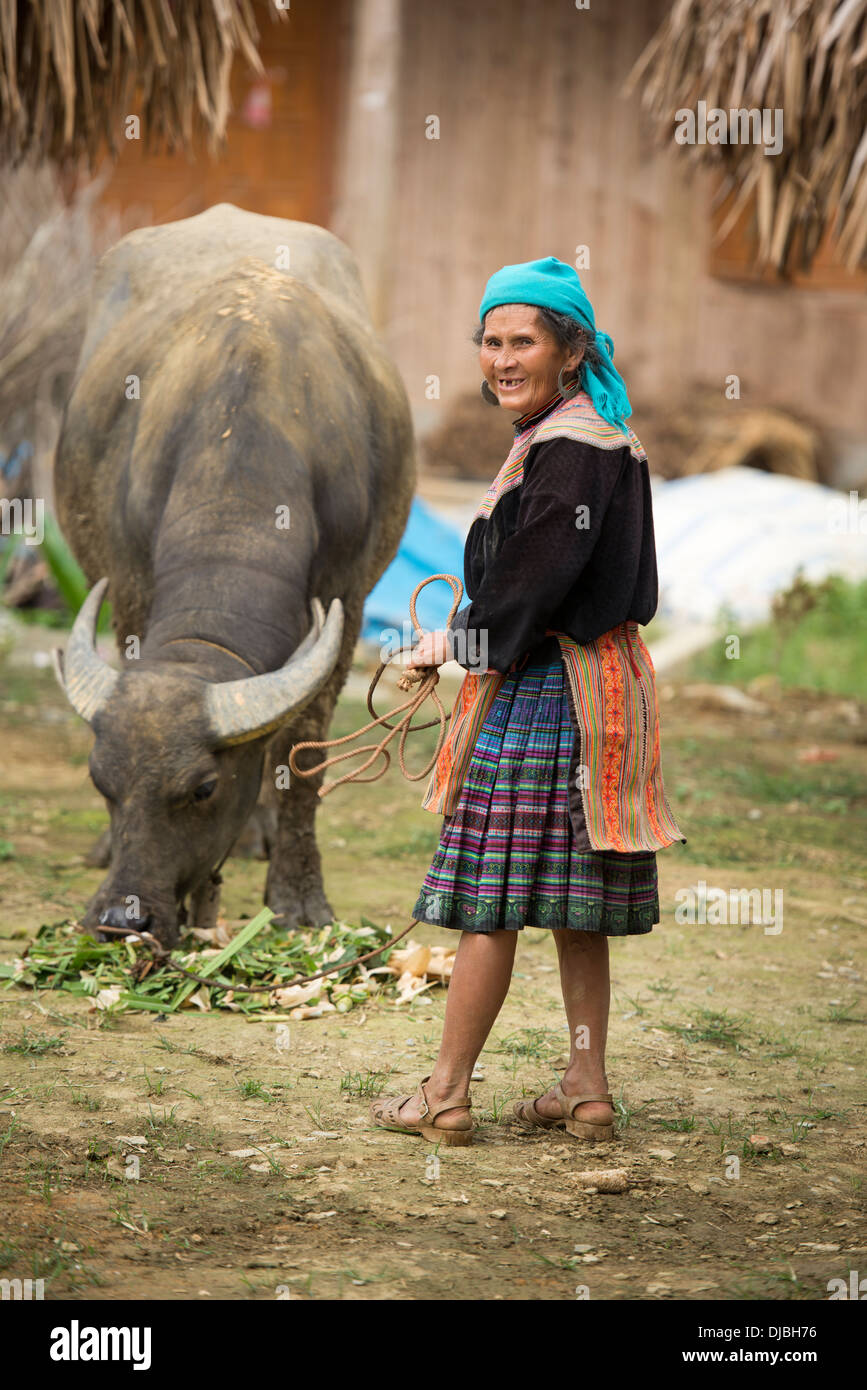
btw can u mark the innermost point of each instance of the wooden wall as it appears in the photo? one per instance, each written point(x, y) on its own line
point(539, 153)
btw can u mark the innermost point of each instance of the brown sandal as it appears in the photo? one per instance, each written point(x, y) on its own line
point(598, 1131)
point(385, 1114)
point(526, 1114)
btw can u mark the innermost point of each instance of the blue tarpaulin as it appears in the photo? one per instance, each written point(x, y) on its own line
point(429, 545)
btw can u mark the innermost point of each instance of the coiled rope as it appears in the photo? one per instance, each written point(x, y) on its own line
point(426, 678)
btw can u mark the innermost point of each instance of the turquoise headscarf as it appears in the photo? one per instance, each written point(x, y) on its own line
point(553, 284)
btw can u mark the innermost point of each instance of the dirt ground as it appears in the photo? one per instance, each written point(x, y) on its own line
point(200, 1156)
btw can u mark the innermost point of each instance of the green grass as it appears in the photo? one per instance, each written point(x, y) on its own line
point(364, 1083)
point(253, 1090)
point(839, 1014)
point(711, 1026)
point(8, 1135)
point(830, 789)
point(500, 1110)
point(806, 810)
point(684, 1124)
point(165, 1127)
point(33, 1044)
point(627, 1111)
point(82, 1099)
point(532, 1042)
point(817, 640)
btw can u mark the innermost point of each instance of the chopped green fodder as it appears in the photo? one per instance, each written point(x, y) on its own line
point(118, 975)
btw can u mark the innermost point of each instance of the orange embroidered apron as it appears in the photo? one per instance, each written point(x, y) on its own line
point(613, 699)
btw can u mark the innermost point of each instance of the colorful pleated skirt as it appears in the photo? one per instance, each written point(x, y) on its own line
point(507, 858)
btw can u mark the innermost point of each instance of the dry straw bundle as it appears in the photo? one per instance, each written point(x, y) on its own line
point(69, 70)
point(807, 57)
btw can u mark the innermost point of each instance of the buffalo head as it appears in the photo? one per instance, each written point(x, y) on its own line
point(179, 762)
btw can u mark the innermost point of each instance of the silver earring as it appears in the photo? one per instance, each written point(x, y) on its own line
point(567, 392)
point(487, 394)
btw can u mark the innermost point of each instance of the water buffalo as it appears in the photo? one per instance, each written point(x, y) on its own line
point(236, 452)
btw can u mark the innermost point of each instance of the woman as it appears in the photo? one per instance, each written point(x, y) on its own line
point(561, 807)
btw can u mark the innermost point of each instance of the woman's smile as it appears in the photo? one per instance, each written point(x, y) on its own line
point(521, 359)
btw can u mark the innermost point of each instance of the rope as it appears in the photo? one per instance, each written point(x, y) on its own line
point(426, 677)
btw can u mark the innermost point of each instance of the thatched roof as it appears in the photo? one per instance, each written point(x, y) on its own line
point(807, 57)
point(69, 70)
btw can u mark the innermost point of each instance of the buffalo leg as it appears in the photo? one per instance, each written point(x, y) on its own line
point(257, 838)
point(294, 888)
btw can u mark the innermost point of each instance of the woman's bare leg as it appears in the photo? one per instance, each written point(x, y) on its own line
point(479, 983)
point(586, 986)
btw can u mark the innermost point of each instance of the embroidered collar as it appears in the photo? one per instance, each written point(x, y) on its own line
point(532, 418)
point(570, 417)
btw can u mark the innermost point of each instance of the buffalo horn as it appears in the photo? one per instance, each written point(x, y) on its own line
point(87, 680)
point(257, 705)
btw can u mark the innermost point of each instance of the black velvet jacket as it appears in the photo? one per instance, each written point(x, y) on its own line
point(528, 566)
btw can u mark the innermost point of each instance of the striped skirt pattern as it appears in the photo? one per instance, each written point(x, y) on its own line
point(506, 856)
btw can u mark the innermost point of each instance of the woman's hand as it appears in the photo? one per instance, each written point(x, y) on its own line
point(433, 650)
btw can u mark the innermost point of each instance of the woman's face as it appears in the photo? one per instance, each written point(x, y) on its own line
point(521, 359)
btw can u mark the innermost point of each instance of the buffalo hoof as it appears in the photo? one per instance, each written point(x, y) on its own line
point(99, 854)
point(294, 911)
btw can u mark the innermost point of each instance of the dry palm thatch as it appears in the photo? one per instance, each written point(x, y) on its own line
point(806, 57)
point(69, 70)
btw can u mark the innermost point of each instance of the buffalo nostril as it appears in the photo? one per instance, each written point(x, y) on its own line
point(113, 917)
point(117, 917)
